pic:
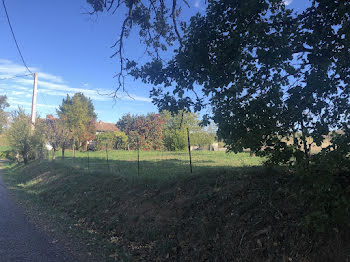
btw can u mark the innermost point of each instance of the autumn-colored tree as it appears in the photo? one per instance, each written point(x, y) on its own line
point(143, 131)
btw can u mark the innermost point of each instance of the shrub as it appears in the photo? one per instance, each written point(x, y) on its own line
point(329, 195)
point(113, 140)
point(24, 142)
point(105, 139)
point(175, 139)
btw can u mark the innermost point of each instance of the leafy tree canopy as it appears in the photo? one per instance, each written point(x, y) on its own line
point(3, 114)
point(78, 115)
point(269, 73)
point(26, 143)
point(116, 140)
point(145, 132)
point(175, 130)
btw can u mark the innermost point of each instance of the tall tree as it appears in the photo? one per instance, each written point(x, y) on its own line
point(277, 81)
point(270, 75)
point(3, 114)
point(77, 114)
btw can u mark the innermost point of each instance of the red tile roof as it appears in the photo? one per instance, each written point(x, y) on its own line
point(51, 117)
point(105, 127)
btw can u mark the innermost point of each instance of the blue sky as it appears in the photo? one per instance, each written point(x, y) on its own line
point(71, 53)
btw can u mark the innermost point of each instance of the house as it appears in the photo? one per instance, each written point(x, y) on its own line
point(102, 127)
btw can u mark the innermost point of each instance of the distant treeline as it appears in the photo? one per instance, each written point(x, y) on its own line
point(75, 128)
point(163, 131)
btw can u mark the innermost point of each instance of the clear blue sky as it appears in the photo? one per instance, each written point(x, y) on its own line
point(71, 51)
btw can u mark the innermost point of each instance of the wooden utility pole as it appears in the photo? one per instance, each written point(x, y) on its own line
point(34, 100)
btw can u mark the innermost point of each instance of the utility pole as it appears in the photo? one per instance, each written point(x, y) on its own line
point(34, 100)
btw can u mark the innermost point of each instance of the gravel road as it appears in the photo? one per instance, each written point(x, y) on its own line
point(19, 239)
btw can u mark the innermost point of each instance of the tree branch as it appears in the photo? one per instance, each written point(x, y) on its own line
point(173, 15)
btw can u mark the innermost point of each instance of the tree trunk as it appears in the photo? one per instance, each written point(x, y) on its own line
point(25, 158)
point(54, 154)
point(73, 147)
point(306, 149)
point(41, 153)
point(63, 152)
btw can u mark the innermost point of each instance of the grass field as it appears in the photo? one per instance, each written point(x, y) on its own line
point(158, 166)
point(3, 140)
point(231, 208)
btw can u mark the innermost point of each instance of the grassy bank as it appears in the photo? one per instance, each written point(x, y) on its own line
point(230, 209)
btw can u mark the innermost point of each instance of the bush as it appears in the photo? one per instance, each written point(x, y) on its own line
point(175, 140)
point(24, 142)
point(121, 140)
point(113, 140)
point(103, 139)
point(8, 154)
point(329, 194)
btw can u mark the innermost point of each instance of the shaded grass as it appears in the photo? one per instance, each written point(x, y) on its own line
point(230, 209)
point(28, 183)
point(91, 200)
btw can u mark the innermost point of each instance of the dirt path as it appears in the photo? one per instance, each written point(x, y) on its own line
point(19, 239)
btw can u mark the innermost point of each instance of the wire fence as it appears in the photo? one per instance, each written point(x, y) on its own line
point(155, 164)
point(136, 161)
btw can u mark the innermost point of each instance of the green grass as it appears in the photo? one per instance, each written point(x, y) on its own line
point(3, 140)
point(5, 148)
point(158, 166)
point(4, 151)
point(97, 201)
point(230, 208)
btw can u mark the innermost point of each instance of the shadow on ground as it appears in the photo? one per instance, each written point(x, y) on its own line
point(164, 213)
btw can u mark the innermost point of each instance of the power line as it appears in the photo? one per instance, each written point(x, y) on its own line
point(13, 77)
point(14, 38)
point(42, 95)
